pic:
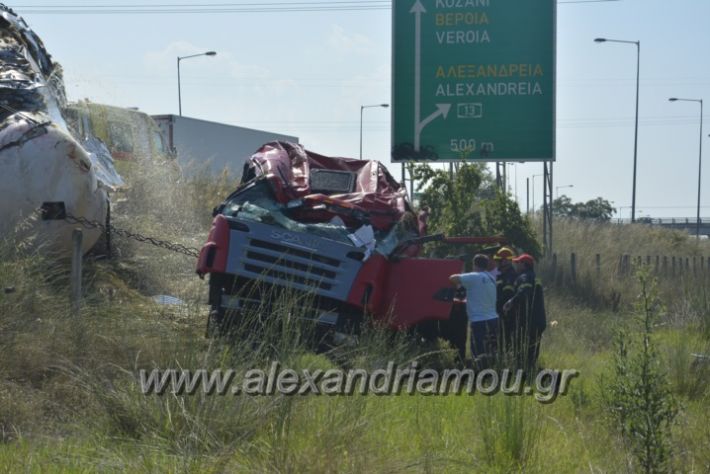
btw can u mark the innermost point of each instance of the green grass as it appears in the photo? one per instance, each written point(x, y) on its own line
point(70, 401)
point(73, 403)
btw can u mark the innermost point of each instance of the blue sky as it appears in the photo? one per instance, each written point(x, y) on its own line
point(308, 73)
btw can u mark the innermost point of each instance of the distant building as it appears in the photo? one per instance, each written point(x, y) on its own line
point(202, 145)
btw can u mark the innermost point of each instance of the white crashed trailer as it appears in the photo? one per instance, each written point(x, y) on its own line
point(43, 164)
point(201, 145)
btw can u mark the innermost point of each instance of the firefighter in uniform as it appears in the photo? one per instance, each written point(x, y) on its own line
point(505, 290)
point(526, 308)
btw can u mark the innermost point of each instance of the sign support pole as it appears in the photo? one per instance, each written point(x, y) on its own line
point(547, 208)
point(527, 200)
point(499, 177)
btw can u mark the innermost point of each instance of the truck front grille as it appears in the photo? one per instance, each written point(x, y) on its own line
point(296, 260)
point(290, 266)
point(262, 244)
point(287, 277)
point(278, 261)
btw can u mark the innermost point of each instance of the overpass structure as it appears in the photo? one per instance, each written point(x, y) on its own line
point(688, 224)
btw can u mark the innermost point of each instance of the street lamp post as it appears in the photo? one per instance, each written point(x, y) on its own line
point(557, 189)
point(363, 107)
point(180, 58)
point(700, 159)
point(636, 125)
point(533, 191)
point(527, 199)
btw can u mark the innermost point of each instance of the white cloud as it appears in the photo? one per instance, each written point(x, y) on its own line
point(343, 43)
point(370, 88)
point(222, 70)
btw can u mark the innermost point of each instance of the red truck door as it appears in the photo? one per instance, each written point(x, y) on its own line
point(410, 290)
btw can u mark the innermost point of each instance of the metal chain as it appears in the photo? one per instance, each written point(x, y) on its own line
point(173, 247)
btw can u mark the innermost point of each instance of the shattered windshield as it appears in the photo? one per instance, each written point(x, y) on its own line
point(256, 202)
point(257, 193)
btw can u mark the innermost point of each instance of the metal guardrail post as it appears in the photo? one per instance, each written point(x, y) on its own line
point(554, 267)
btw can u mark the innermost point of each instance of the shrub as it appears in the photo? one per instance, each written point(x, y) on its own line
point(638, 396)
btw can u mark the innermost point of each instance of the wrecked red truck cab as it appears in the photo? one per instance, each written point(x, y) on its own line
point(340, 230)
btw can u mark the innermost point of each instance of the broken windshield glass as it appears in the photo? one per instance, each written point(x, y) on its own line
point(255, 202)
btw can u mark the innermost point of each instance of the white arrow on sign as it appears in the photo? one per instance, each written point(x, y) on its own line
point(442, 109)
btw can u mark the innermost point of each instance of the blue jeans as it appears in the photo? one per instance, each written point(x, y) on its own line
point(484, 337)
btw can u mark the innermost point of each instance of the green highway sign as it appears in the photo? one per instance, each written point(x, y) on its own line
point(473, 80)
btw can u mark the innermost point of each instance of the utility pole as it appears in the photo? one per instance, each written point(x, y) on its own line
point(527, 201)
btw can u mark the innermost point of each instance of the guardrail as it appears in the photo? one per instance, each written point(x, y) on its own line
point(566, 268)
point(665, 220)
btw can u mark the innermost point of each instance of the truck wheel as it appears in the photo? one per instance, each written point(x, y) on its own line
point(214, 323)
point(221, 323)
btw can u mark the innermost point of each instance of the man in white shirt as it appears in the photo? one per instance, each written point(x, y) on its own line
point(480, 289)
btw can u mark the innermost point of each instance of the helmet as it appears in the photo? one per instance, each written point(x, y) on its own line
point(505, 253)
point(525, 258)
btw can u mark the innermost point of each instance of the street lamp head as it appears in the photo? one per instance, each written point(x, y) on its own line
point(208, 53)
point(672, 99)
point(599, 40)
point(373, 106)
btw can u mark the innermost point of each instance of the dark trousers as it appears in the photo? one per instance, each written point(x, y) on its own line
point(507, 333)
point(484, 338)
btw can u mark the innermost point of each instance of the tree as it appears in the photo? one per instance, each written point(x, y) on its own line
point(563, 206)
point(598, 209)
point(470, 204)
point(502, 215)
point(638, 395)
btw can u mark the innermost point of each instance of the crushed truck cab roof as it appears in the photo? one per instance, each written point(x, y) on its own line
point(296, 173)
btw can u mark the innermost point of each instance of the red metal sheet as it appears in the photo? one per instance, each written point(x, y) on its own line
point(411, 286)
point(288, 167)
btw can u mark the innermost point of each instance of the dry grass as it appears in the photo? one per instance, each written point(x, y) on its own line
point(70, 400)
point(610, 284)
